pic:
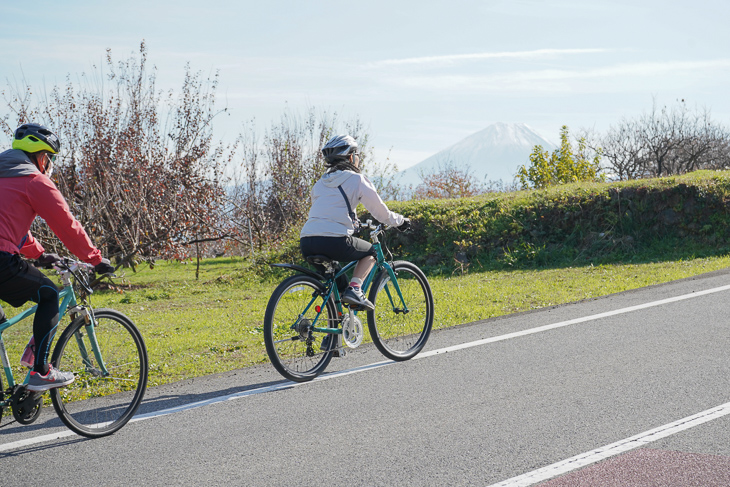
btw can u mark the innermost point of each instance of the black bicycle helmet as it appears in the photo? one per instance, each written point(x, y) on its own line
point(33, 137)
point(338, 149)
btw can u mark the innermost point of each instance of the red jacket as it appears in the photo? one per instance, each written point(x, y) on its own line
point(26, 193)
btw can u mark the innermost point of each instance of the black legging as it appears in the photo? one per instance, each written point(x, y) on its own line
point(44, 325)
point(20, 283)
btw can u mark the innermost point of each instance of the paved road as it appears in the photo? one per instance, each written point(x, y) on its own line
point(512, 399)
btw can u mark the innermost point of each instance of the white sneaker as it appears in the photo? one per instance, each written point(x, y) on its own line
point(54, 378)
point(354, 297)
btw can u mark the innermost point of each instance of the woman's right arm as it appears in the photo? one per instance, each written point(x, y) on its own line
point(370, 198)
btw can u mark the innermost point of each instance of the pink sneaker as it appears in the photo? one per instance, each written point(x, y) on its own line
point(29, 354)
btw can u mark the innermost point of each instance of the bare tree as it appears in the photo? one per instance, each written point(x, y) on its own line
point(448, 181)
point(274, 175)
point(621, 149)
point(704, 144)
point(666, 141)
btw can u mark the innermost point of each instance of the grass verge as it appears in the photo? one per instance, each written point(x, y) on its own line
point(214, 324)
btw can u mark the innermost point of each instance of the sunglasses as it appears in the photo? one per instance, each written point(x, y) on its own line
point(51, 159)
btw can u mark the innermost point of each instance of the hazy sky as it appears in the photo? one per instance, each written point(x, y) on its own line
point(421, 75)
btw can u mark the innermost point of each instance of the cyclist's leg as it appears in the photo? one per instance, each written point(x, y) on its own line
point(45, 323)
point(364, 253)
point(20, 282)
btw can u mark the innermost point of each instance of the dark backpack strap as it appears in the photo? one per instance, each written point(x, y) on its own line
point(353, 216)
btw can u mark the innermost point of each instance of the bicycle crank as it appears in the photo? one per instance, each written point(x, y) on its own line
point(26, 405)
point(352, 330)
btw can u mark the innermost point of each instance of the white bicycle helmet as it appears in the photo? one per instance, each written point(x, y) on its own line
point(338, 149)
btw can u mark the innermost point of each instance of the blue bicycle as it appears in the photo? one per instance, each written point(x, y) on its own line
point(104, 350)
point(306, 324)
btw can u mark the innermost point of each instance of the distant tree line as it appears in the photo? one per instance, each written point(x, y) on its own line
point(662, 142)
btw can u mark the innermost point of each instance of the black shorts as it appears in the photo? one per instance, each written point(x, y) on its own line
point(342, 249)
point(20, 281)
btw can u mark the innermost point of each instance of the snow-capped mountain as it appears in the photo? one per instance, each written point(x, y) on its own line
point(491, 154)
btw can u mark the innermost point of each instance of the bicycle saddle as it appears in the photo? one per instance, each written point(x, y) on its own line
point(324, 261)
point(320, 260)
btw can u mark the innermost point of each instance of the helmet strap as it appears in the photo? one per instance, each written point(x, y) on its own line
point(41, 161)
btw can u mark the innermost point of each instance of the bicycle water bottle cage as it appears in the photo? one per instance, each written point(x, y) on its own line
point(324, 261)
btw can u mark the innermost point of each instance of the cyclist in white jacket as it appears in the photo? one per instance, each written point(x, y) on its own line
point(332, 219)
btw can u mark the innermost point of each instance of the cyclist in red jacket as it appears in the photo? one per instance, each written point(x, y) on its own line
point(26, 192)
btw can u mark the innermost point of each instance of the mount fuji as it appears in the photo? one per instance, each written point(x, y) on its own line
point(490, 155)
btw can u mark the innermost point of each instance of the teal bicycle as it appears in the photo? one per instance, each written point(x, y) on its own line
point(306, 324)
point(104, 350)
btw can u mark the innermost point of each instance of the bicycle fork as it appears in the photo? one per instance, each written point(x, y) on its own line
point(101, 371)
point(394, 281)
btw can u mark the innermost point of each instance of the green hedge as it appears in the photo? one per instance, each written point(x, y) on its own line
point(575, 223)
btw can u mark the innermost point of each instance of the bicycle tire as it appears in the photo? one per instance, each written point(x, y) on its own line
point(299, 354)
point(400, 336)
point(97, 405)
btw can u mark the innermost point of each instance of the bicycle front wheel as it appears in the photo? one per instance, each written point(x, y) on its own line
point(110, 363)
point(297, 351)
point(400, 329)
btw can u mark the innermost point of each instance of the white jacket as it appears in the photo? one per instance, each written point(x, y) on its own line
point(328, 216)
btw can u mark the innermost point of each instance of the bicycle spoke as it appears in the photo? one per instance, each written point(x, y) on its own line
point(398, 334)
point(98, 404)
point(298, 352)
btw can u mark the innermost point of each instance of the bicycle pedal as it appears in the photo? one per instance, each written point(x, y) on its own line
point(339, 353)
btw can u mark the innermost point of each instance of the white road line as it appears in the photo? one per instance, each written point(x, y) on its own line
point(251, 392)
point(198, 404)
point(575, 321)
point(593, 456)
point(289, 385)
point(36, 440)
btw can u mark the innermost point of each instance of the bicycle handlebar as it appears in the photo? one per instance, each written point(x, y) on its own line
point(375, 229)
point(67, 267)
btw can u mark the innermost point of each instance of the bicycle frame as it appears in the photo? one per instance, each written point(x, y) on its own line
point(68, 303)
point(381, 264)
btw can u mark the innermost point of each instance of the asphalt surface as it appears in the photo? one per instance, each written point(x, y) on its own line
point(479, 415)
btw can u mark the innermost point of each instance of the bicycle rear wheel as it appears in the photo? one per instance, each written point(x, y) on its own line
point(97, 403)
point(295, 350)
point(400, 334)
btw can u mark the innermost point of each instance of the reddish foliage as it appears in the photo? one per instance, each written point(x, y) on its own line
point(138, 185)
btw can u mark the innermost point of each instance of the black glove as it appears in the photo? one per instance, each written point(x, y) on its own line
point(47, 260)
point(104, 267)
point(405, 225)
